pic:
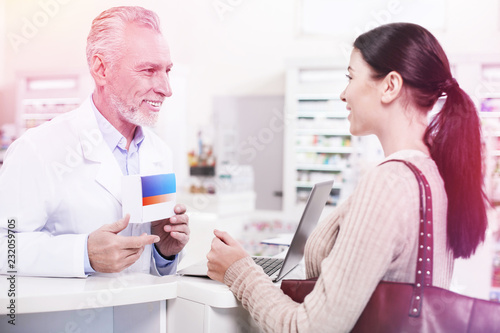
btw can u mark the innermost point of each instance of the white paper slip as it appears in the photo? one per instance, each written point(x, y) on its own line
point(148, 198)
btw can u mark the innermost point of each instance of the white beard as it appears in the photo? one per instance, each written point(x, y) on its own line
point(132, 114)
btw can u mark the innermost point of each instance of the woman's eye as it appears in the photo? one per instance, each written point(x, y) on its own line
point(348, 77)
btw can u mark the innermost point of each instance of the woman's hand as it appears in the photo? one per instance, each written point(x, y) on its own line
point(225, 251)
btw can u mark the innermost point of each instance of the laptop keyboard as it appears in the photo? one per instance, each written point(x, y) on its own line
point(270, 265)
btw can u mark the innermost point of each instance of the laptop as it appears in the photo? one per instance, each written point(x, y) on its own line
point(277, 268)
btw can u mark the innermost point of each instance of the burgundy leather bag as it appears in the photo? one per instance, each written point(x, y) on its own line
point(420, 307)
point(298, 289)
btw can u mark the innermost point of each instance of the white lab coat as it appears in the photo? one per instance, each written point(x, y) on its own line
point(60, 182)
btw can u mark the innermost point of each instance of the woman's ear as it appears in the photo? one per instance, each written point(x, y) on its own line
point(391, 85)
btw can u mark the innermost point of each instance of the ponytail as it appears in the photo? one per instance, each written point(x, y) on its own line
point(454, 134)
point(454, 141)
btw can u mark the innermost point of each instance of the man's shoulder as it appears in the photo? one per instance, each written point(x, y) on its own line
point(61, 130)
point(65, 121)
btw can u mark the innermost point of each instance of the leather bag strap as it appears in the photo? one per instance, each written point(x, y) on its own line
point(423, 274)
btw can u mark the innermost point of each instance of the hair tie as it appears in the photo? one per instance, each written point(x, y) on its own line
point(448, 85)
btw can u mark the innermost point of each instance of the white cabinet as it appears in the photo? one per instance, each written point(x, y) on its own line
point(42, 96)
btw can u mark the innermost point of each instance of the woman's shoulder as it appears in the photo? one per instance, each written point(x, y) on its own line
point(393, 181)
point(388, 173)
point(394, 166)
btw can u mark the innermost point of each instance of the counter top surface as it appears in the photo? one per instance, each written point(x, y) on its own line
point(39, 294)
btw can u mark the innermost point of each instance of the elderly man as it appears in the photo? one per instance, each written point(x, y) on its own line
point(60, 184)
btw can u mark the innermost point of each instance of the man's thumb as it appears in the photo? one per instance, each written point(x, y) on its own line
point(119, 225)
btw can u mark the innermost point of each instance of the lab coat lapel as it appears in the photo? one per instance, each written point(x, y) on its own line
point(95, 149)
point(110, 175)
point(150, 157)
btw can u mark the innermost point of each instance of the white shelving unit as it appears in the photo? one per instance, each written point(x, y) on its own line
point(480, 78)
point(42, 96)
point(486, 95)
point(489, 111)
point(318, 144)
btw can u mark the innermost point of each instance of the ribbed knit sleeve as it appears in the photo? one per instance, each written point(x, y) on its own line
point(371, 237)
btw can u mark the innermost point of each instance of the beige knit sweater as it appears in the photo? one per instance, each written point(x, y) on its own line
point(372, 236)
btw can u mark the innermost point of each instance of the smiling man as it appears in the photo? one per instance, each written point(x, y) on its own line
point(61, 181)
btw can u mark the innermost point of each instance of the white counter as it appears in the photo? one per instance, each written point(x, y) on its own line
point(122, 303)
point(35, 294)
point(100, 303)
point(132, 302)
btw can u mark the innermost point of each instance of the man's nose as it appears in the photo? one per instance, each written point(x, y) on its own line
point(162, 85)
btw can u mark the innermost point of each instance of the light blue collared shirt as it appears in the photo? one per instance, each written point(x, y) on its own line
point(128, 160)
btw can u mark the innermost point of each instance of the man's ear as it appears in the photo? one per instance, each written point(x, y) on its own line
point(98, 69)
point(391, 85)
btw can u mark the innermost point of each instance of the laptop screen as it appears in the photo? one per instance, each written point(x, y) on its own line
point(310, 216)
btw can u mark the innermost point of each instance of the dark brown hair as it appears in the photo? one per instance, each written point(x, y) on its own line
point(454, 134)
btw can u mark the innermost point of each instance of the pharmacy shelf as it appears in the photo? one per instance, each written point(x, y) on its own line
point(329, 150)
point(45, 116)
point(322, 114)
point(318, 144)
point(326, 132)
point(43, 96)
point(489, 114)
point(320, 167)
point(309, 185)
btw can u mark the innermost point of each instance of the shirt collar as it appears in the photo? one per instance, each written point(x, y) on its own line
point(112, 136)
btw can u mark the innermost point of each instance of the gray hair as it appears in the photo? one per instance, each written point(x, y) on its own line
point(106, 33)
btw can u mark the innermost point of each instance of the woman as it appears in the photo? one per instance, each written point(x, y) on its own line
point(396, 74)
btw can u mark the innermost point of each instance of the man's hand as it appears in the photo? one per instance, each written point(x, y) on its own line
point(225, 251)
point(173, 232)
point(112, 253)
